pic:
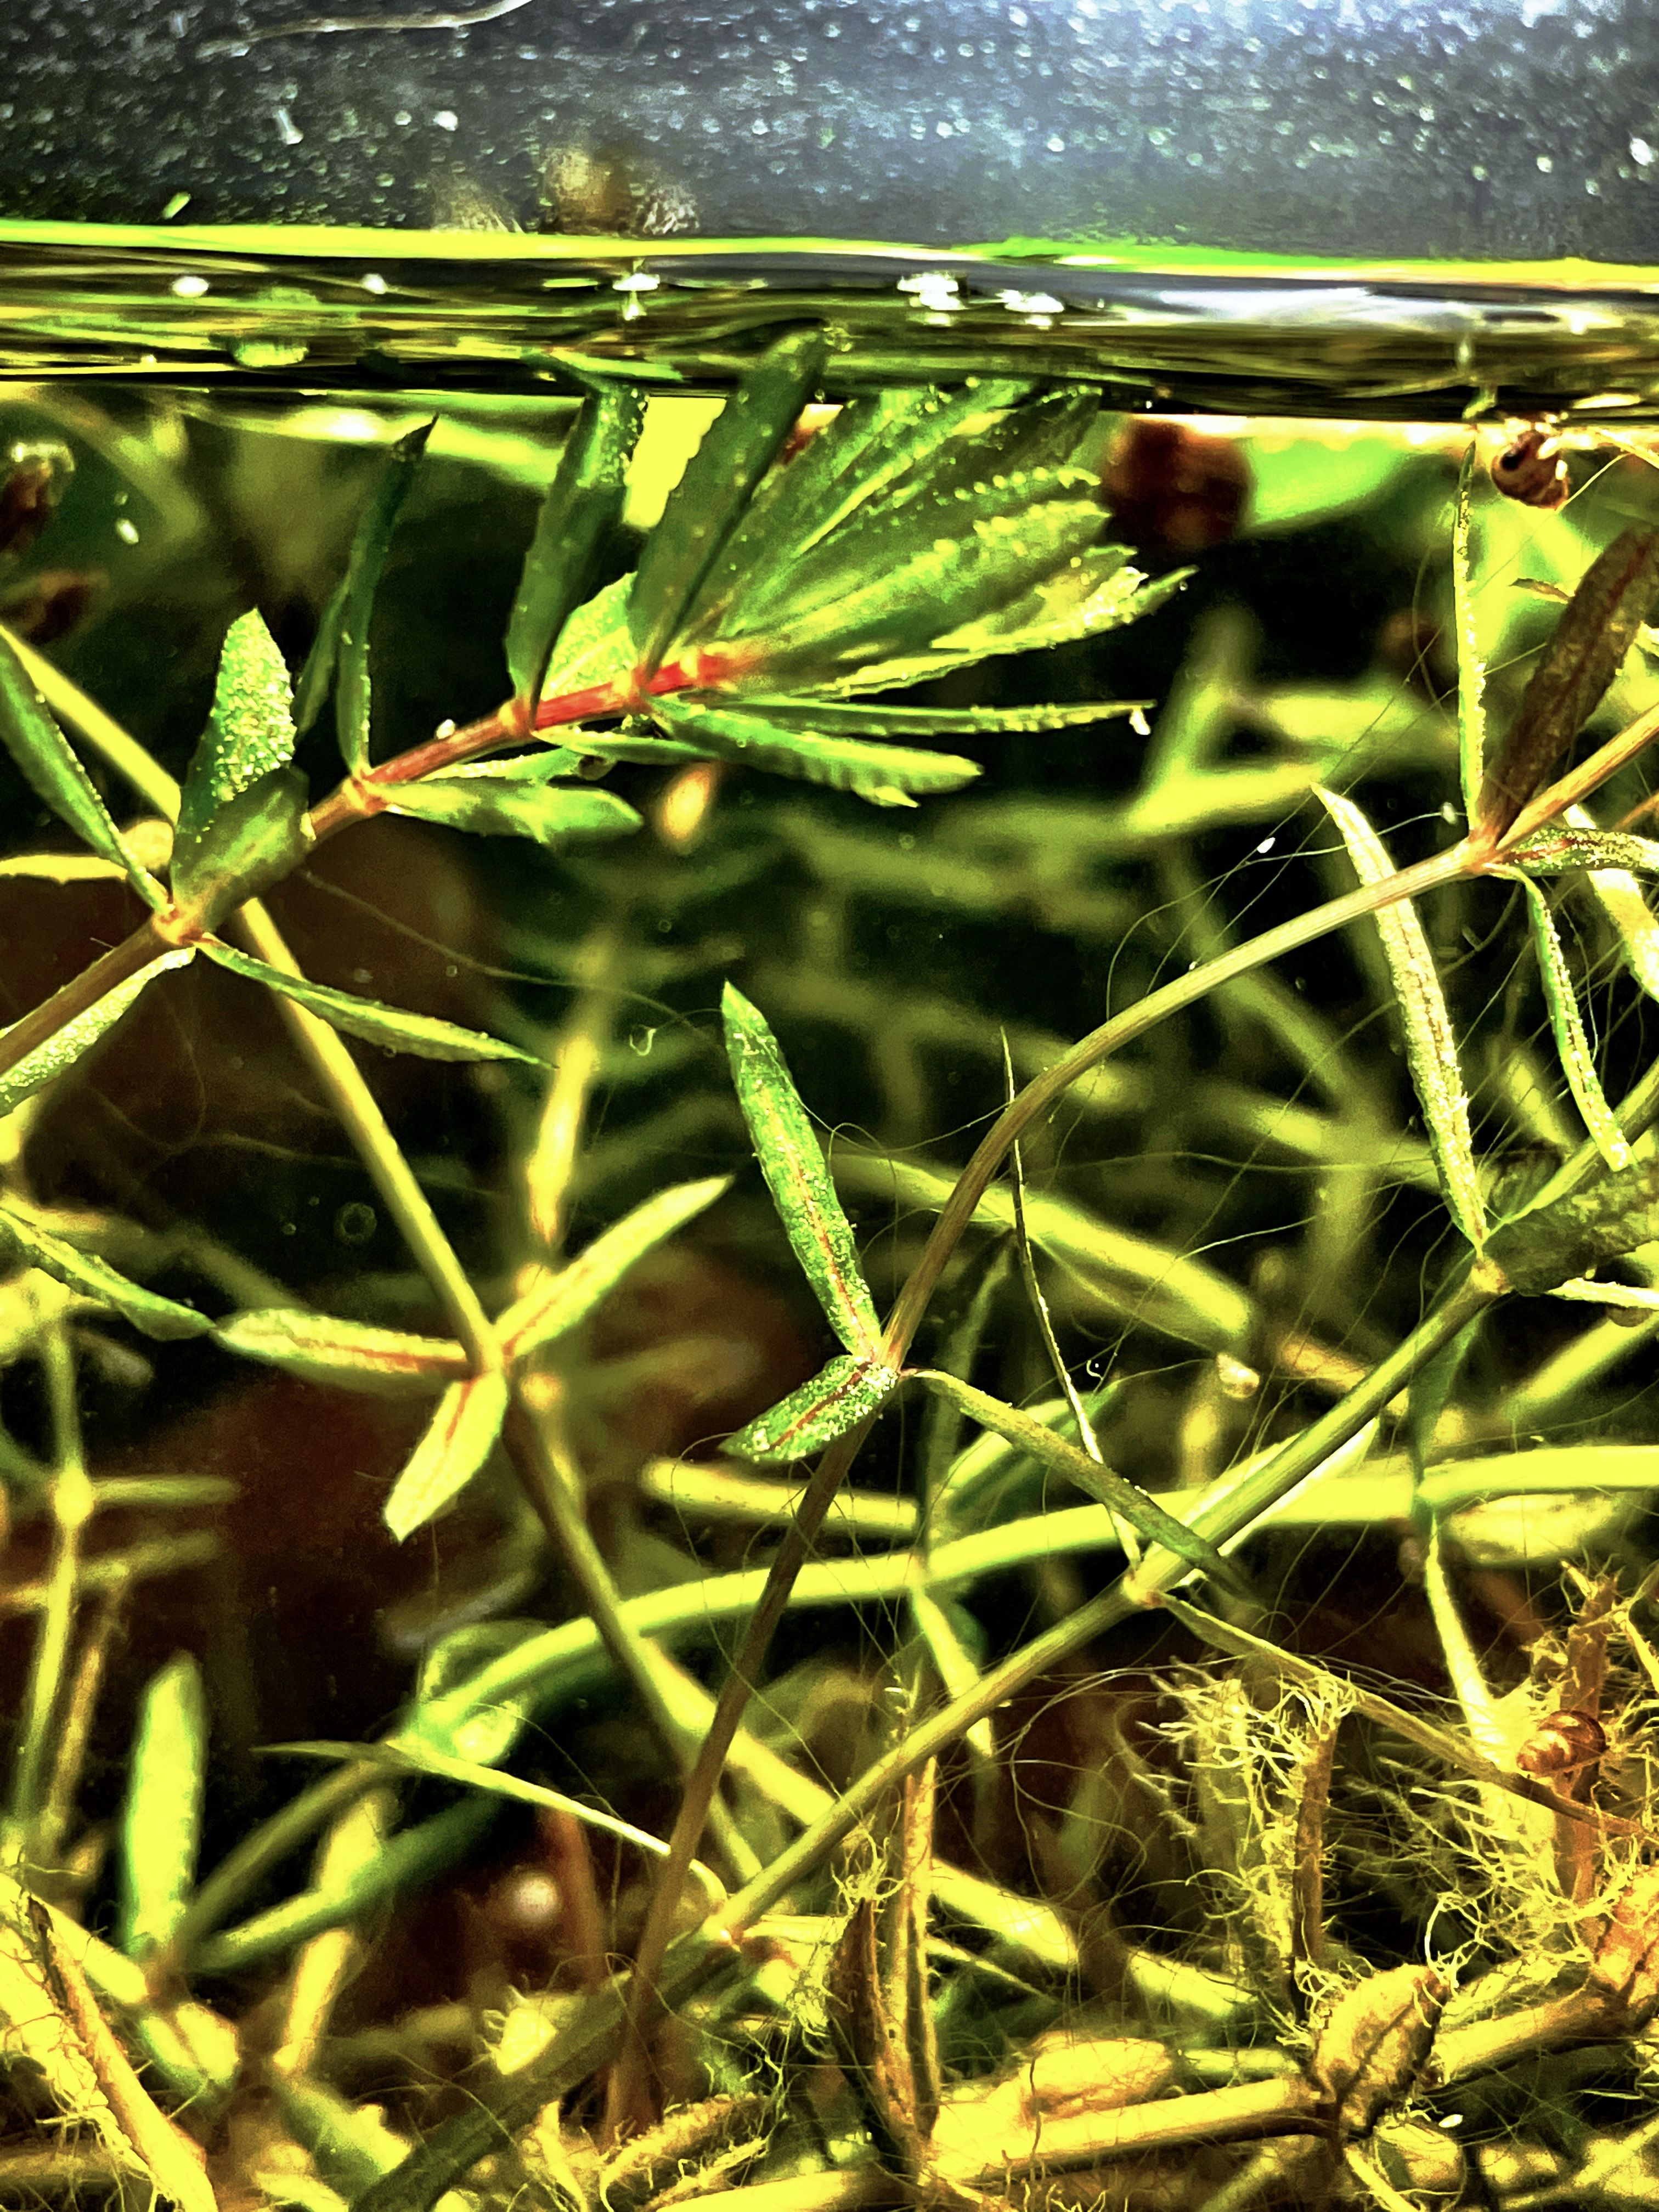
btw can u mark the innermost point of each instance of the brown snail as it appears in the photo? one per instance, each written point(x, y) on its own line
point(1533, 467)
point(1565, 1742)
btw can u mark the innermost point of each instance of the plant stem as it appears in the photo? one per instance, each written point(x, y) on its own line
point(794, 1553)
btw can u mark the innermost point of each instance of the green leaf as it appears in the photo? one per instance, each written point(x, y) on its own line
point(1596, 631)
point(887, 775)
point(1471, 666)
point(708, 503)
point(339, 653)
point(504, 807)
point(843, 1394)
point(1556, 1243)
point(595, 646)
point(1571, 1044)
point(249, 733)
point(582, 506)
point(1101, 1483)
point(459, 1439)
point(95, 1278)
point(919, 570)
point(834, 718)
point(162, 1823)
point(1137, 1280)
point(409, 1754)
point(49, 767)
point(1430, 1391)
point(367, 1019)
point(792, 1164)
point(880, 449)
point(77, 1037)
point(321, 1348)
point(1566, 849)
point(1430, 1047)
point(551, 1308)
point(255, 839)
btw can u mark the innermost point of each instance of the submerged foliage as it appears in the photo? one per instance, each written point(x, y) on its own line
point(957, 1922)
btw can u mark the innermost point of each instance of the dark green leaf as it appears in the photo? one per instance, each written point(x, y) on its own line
point(792, 1162)
point(367, 1019)
point(459, 1439)
point(551, 1308)
point(708, 503)
point(845, 1392)
point(339, 655)
point(95, 1278)
point(582, 506)
point(886, 775)
point(161, 1826)
point(1574, 1233)
point(1430, 1391)
point(1102, 1483)
point(49, 767)
point(321, 1348)
point(254, 840)
point(77, 1037)
point(1596, 631)
point(504, 807)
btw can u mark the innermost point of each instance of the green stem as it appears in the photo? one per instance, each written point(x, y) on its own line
point(72, 1506)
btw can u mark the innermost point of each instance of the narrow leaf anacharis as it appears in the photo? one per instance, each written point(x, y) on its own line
point(459, 1439)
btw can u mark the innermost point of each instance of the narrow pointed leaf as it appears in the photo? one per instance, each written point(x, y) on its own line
point(339, 655)
point(552, 1309)
point(77, 1037)
point(160, 1317)
point(460, 1438)
point(792, 1162)
point(1430, 1047)
point(1557, 1243)
point(887, 775)
point(162, 1823)
point(51, 768)
point(845, 1393)
point(1430, 1391)
point(502, 806)
point(1571, 1044)
point(321, 1348)
point(1471, 667)
point(254, 840)
point(595, 646)
point(393, 1026)
point(708, 503)
point(1564, 851)
point(1596, 631)
point(1101, 1483)
point(881, 448)
point(249, 732)
point(921, 568)
point(835, 718)
point(1624, 903)
point(582, 506)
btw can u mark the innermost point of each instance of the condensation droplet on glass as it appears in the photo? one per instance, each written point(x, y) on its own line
point(641, 1041)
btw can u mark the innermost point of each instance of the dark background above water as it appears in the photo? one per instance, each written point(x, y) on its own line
point(1492, 128)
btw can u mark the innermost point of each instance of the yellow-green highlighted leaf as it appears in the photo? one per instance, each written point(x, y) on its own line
point(321, 1348)
point(77, 1037)
point(1430, 1047)
point(843, 1394)
point(1571, 1042)
point(51, 768)
point(161, 1824)
point(552, 1309)
point(460, 1439)
point(153, 1316)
